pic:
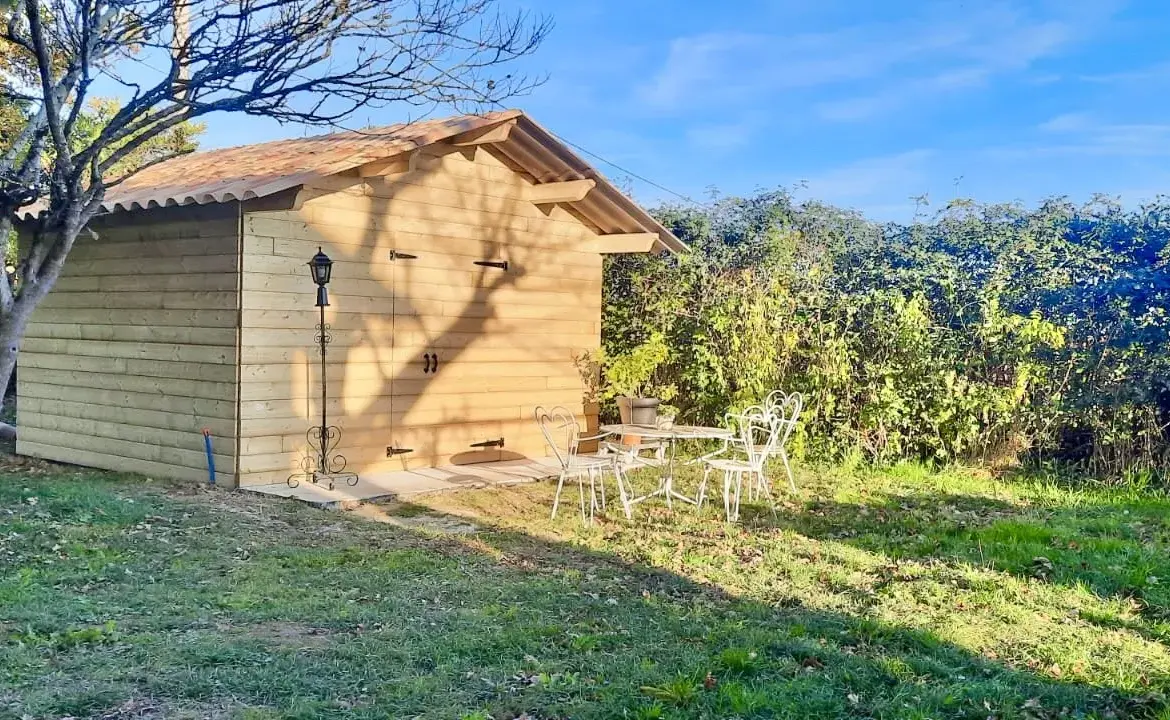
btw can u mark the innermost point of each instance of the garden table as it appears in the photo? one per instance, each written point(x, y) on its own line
point(671, 435)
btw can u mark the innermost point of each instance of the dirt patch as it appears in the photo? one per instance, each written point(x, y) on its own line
point(409, 517)
point(286, 634)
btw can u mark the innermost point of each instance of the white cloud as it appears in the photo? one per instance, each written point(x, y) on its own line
point(1083, 134)
point(1068, 122)
point(874, 68)
point(1158, 72)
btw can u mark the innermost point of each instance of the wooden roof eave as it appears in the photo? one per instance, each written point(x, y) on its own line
point(546, 159)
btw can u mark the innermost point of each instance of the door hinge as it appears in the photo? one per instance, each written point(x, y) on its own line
point(391, 451)
point(489, 443)
point(395, 255)
point(501, 264)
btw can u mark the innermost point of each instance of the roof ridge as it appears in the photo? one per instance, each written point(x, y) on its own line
point(377, 130)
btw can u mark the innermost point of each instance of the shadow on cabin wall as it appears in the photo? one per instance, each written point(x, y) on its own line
point(478, 325)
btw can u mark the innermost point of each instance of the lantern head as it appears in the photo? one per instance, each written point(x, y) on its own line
point(321, 267)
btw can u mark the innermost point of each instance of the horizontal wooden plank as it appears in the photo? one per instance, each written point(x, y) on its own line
point(178, 300)
point(344, 411)
point(430, 445)
point(421, 328)
point(207, 282)
point(411, 367)
point(386, 386)
point(486, 351)
point(166, 318)
point(376, 278)
point(197, 407)
point(117, 463)
point(433, 252)
point(185, 422)
point(128, 366)
point(184, 221)
point(120, 245)
point(67, 380)
point(142, 350)
point(166, 456)
point(431, 198)
point(224, 447)
point(383, 326)
point(221, 338)
point(293, 429)
point(368, 213)
point(388, 305)
point(348, 226)
point(124, 267)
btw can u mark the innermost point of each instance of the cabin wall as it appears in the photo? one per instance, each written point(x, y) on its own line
point(506, 339)
point(133, 352)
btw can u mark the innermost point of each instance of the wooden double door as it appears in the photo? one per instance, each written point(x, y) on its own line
point(478, 345)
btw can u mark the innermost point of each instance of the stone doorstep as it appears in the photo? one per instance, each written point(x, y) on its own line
point(405, 484)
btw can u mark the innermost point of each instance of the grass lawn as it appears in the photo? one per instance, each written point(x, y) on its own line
point(893, 594)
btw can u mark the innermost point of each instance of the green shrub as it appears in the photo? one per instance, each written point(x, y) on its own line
point(989, 334)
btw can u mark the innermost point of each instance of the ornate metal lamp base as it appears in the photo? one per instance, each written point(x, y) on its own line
point(329, 480)
point(320, 465)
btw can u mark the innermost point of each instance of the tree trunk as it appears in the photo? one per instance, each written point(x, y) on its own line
point(12, 328)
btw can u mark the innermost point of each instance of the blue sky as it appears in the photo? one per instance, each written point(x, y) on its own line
point(862, 104)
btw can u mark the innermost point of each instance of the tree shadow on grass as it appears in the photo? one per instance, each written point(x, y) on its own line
point(1117, 550)
point(222, 592)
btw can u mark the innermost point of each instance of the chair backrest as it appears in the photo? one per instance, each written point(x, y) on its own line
point(785, 409)
point(561, 432)
point(757, 435)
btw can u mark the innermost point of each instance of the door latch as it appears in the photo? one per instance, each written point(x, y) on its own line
point(489, 443)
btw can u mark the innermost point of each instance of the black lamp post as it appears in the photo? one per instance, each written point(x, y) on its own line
point(321, 465)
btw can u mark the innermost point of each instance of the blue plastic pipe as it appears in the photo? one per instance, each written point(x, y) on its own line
point(210, 457)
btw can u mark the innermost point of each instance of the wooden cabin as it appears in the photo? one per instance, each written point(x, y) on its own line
point(466, 280)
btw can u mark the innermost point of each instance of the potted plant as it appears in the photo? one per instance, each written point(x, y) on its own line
point(630, 380)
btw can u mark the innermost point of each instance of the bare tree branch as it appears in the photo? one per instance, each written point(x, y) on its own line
point(312, 62)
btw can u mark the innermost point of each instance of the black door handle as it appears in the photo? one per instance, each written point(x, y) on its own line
point(434, 362)
point(426, 362)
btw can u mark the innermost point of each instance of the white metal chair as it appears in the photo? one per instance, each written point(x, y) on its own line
point(784, 409)
point(755, 438)
point(562, 432)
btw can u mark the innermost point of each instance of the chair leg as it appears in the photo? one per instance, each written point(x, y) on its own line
point(727, 494)
point(557, 495)
point(581, 495)
point(601, 481)
point(738, 493)
point(702, 488)
point(766, 489)
point(592, 491)
point(788, 469)
point(621, 483)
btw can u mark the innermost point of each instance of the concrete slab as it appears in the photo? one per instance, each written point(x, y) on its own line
point(405, 484)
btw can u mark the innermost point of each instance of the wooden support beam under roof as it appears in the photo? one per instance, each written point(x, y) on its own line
point(391, 166)
point(625, 243)
point(494, 134)
point(560, 192)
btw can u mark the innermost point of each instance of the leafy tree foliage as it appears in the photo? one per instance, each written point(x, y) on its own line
point(991, 333)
